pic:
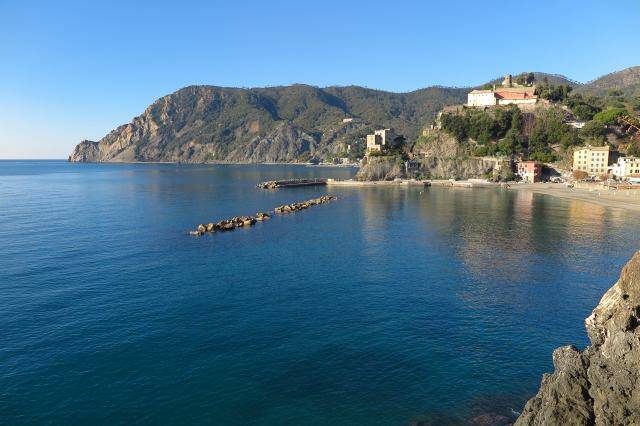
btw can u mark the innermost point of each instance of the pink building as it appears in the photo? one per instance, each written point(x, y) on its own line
point(530, 171)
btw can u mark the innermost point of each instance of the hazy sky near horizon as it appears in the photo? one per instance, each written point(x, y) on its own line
point(73, 70)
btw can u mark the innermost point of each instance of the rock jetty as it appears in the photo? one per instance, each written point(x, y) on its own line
point(246, 221)
point(274, 184)
point(599, 385)
point(228, 225)
point(289, 208)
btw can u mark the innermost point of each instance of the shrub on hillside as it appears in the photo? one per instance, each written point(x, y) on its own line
point(610, 115)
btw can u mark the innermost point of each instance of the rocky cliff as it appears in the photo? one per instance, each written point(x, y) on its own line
point(601, 384)
point(435, 156)
point(292, 123)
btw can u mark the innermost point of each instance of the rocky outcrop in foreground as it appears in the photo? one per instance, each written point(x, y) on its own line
point(601, 384)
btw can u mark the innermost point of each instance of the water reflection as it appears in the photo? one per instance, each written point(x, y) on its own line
point(388, 303)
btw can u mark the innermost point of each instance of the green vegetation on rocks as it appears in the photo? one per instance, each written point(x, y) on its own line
point(502, 131)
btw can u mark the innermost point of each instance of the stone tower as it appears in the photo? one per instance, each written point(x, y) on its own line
point(508, 81)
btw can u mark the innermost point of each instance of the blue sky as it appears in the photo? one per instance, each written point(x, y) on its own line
point(72, 70)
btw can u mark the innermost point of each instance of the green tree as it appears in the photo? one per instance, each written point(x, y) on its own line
point(584, 111)
point(481, 151)
point(594, 130)
point(610, 116)
point(554, 93)
point(512, 143)
point(517, 120)
point(550, 129)
point(545, 156)
point(456, 125)
point(531, 78)
point(633, 149)
point(482, 127)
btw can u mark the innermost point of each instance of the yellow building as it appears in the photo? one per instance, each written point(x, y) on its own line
point(593, 160)
point(382, 140)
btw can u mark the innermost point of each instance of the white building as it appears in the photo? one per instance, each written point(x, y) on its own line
point(508, 94)
point(577, 124)
point(480, 98)
point(625, 167)
point(502, 96)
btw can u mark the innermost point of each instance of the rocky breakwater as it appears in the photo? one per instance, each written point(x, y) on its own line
point(274, 184)
point(229, 224)
point(601, 384)
point(290, 208)
point(246, 221)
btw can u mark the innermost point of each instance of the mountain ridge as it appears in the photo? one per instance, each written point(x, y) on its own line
point(626, 80)
point(207, 123)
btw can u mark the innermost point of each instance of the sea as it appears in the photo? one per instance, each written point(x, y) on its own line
point(389, 306)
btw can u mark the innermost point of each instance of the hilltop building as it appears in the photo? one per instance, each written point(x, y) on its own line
point(502, 96)
point(529, 171)
point(508, 94)
point(383, 140)
point(594, 160)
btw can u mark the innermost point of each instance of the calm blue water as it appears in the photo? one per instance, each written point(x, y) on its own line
point(386, 306)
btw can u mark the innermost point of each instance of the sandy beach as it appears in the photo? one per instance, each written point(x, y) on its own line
point(628, 199)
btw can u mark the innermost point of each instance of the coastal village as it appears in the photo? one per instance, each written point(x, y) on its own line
point(603, 164)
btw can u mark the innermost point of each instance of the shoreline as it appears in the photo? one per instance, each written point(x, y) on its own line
point(628, 199)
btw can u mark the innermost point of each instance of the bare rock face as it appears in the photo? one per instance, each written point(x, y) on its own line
point(382, 168)
point(600, 385)
point(86, 151)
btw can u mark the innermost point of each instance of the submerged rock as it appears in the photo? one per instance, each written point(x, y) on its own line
point(600, 385)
